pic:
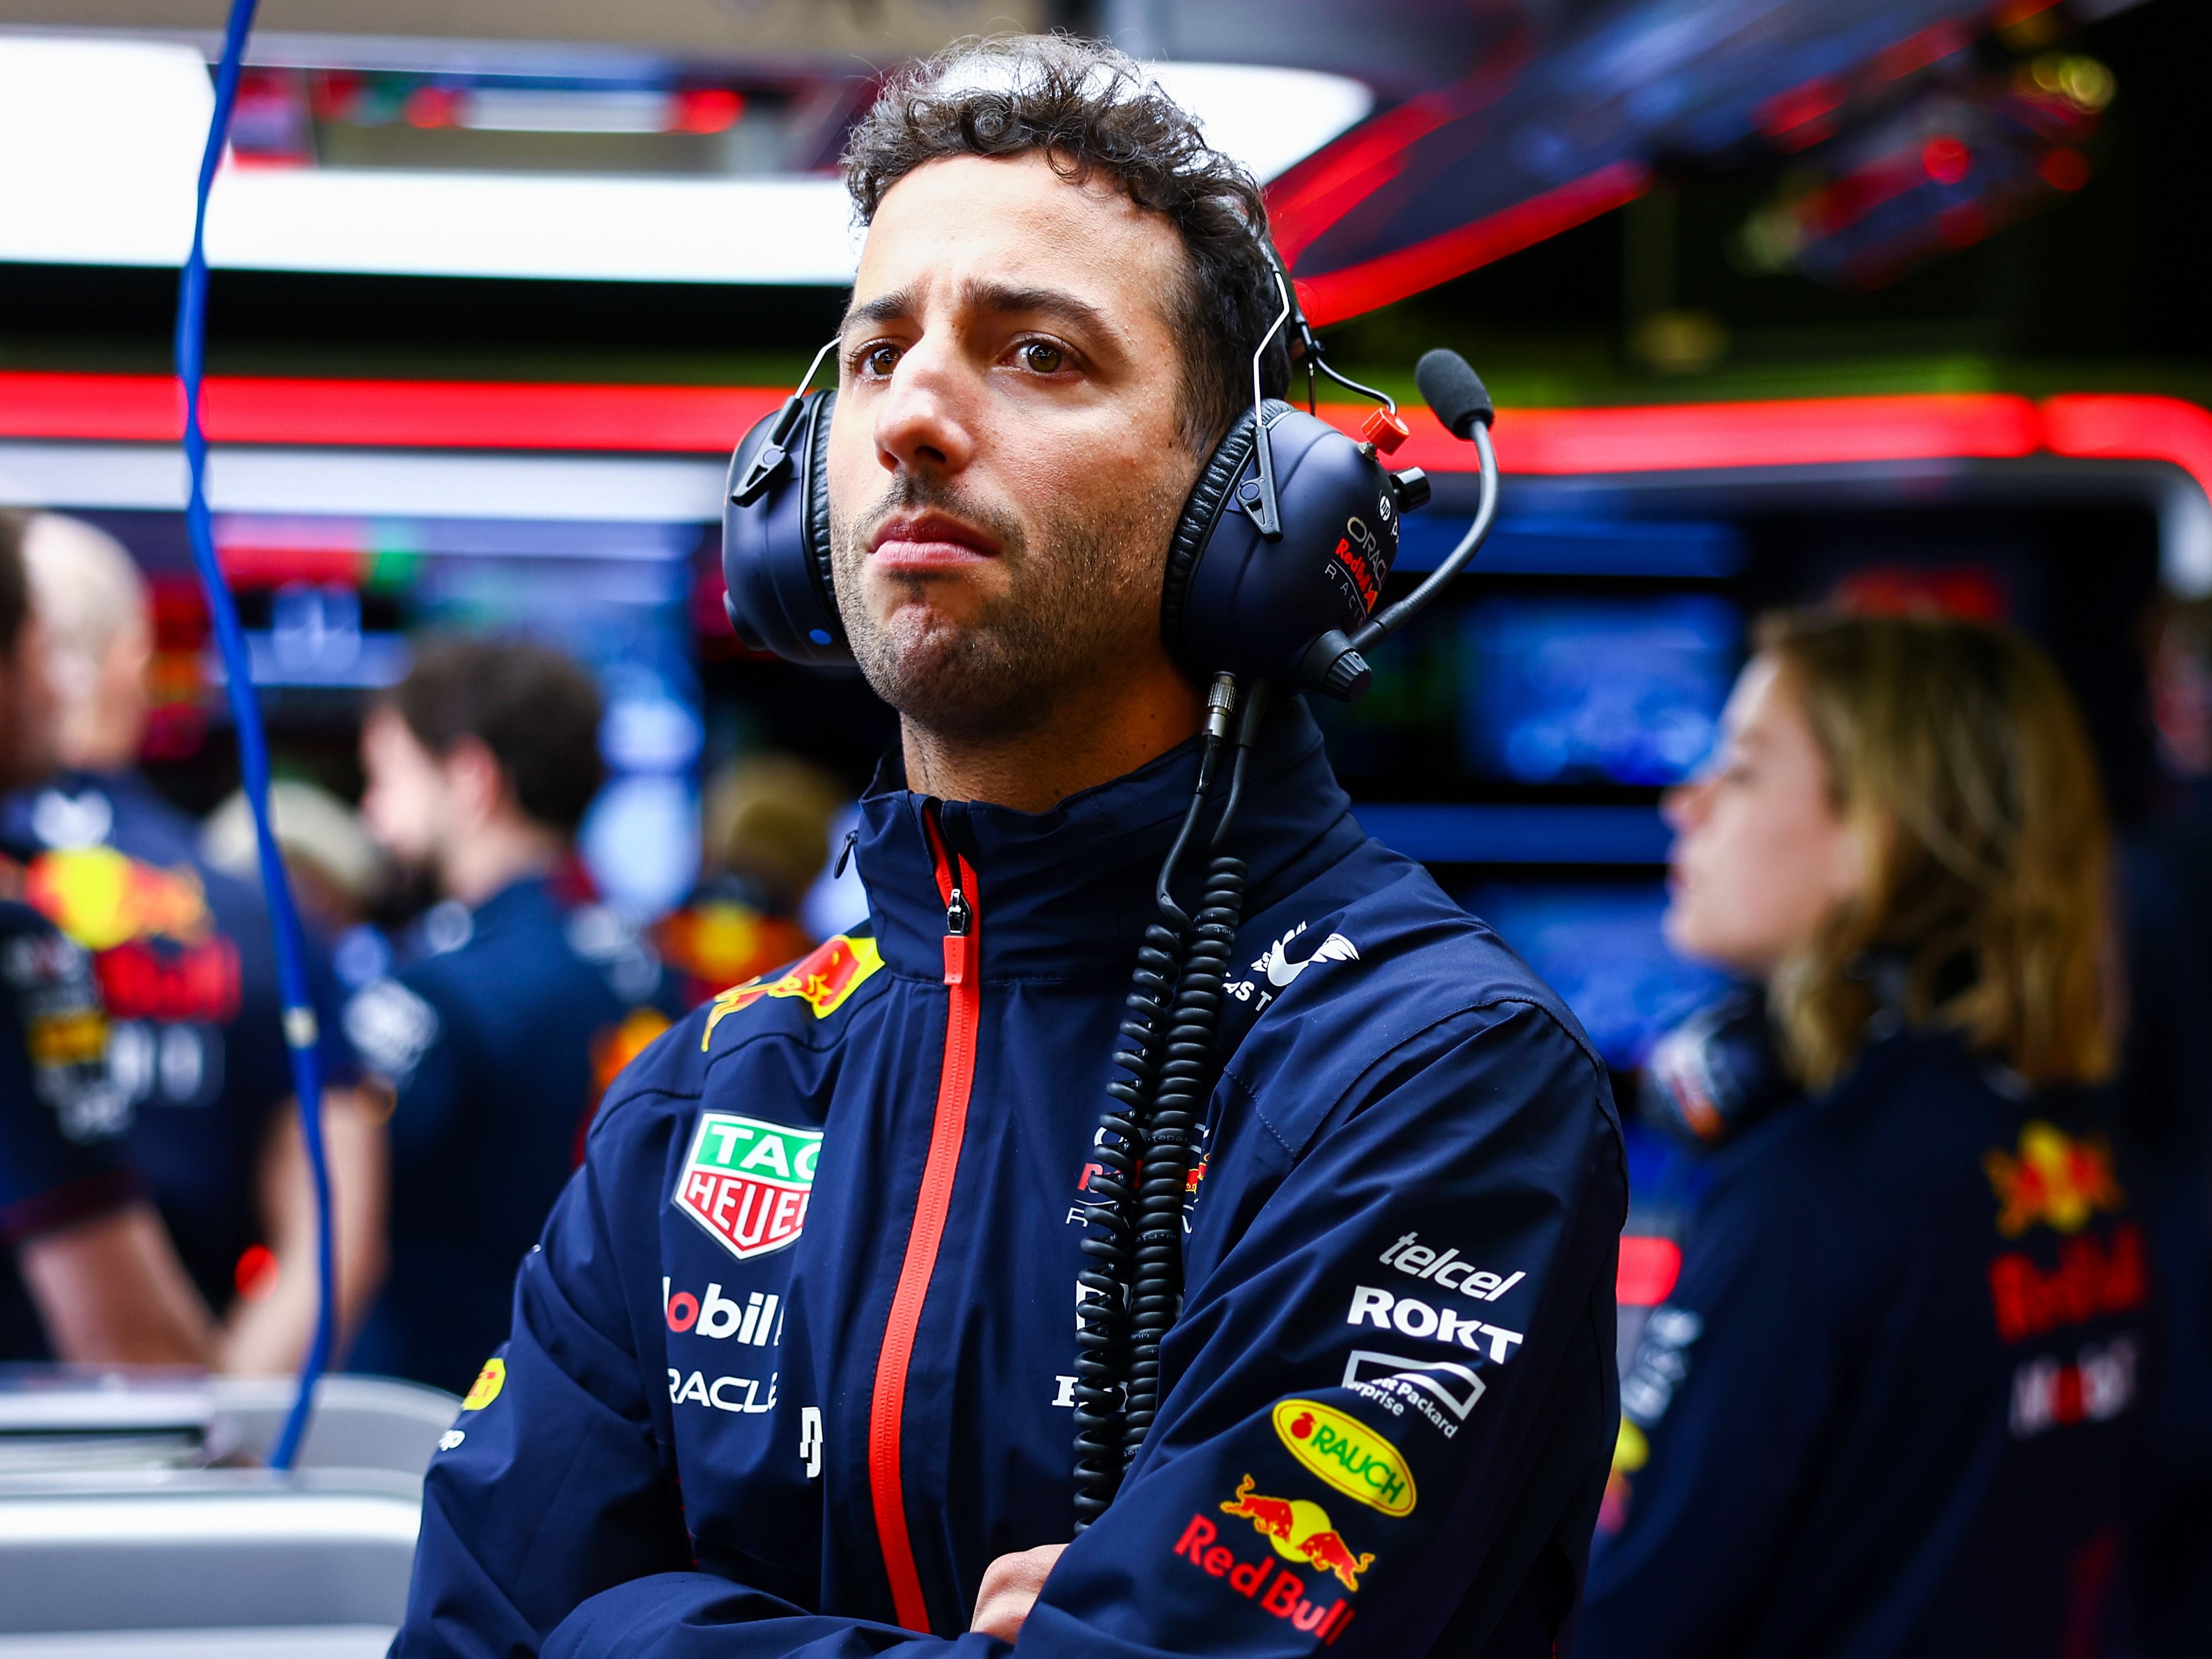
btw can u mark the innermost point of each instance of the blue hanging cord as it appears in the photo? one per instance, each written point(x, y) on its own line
point(300, 1035)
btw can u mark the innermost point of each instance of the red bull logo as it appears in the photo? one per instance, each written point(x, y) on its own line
point(149, 979)
point(2091, 1279)
point(2055, 1181)
point(1300, 1531)
point(831, 973)
point(1278, 1590)
point(102, 899)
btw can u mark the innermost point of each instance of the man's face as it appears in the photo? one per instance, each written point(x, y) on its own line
point(408, 801)
point(27, 711)
point(1005, 465)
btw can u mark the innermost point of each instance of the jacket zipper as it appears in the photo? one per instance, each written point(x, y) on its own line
point(956, 885)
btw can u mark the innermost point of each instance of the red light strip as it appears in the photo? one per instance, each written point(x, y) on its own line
point(1531, 442)
point(1336, 294)
point(387, 414)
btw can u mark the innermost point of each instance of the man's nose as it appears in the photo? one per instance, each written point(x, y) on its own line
point(924, 417)
point(1683, 806)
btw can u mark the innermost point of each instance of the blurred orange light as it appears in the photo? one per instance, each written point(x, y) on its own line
point(433, 106)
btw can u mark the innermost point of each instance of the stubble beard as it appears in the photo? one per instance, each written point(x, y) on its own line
point(1080, 607)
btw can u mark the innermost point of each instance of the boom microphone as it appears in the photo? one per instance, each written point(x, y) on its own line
point(1453, 391)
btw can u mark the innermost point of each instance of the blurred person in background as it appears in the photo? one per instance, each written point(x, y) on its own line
point(2167, 1093)
point(91, 1275)
point(1893, 1404)
point(337, 870)
point(340, 876)
point(765, 838)
point(480, 765)
point(186, 965)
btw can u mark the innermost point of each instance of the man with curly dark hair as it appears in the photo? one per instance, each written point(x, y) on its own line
point(794, 1368)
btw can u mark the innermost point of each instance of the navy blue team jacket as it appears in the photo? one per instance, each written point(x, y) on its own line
point(62, 1120)
point(186, 968)
point(792, 1363)
point(490, 1044)
point(1894, 1404)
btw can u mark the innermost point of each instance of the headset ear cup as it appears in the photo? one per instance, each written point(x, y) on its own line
point(1236, 601)
point(776, 545)
point(815, 458)
point(1194, 527)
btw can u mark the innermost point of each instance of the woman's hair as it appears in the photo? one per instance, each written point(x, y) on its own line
point(1955, 753)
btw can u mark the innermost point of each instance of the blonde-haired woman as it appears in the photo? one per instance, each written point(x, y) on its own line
point(1892, 1405)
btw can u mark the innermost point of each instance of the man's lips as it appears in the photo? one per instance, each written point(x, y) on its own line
point(930, 541)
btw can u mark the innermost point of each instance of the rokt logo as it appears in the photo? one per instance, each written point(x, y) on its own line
point(753, 1320)
point(2055, 1179)
point(1411, 1317)
point(1347, 1454)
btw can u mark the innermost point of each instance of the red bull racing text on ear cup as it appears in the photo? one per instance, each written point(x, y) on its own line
point(775, 537)
point(1234, 600)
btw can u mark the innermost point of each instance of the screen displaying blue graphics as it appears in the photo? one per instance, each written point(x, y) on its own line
point(1598, 944)
point(1624, 691)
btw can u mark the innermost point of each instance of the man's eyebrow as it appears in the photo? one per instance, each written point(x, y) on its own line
point(1003, 298)
point(899, 302)
point(1008, 299)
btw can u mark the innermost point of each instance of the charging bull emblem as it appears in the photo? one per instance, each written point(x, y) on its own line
point(823, 980)
point(1300, 1531)
point(2055, 1179)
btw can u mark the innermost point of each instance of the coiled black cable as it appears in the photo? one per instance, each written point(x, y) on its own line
point(1132, 1282)
point(1185, 1080)
point(1102, 1335)
point(1100, 1339)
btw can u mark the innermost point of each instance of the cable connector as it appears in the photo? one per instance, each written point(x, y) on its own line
point(1220, 704)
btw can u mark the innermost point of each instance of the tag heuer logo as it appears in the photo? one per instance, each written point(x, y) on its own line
point(748, 1182)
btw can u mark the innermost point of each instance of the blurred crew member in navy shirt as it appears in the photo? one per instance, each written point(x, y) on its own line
point(90, 1273)
point(480, 765)
point(186, 966)
point(1894, 1403)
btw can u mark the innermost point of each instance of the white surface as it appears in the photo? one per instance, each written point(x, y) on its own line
point(373, 482)
point(101, 141)
point(204, 1518)
point(281, 1642)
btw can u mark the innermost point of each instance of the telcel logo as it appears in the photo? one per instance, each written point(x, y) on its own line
point(752, 1321)
point(1447, 1272)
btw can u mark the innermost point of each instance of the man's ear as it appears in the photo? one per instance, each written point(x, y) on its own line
point(474, 778)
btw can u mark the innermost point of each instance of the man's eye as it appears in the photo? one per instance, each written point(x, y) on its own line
point(1042, 357)
point(879, 360)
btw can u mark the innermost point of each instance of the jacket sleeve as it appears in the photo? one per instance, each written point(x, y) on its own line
point(550, 1486)
point(1722, 1411)
point(1350, 1455)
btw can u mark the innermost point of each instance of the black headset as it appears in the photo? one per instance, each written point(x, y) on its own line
point(1273, 575)
point(1275, 570)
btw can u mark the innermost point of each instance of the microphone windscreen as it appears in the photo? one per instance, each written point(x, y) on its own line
point(1453, 391)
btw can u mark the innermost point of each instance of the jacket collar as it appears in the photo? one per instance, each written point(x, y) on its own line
point(1066, 893)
